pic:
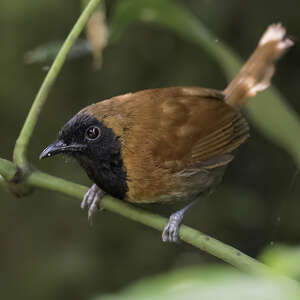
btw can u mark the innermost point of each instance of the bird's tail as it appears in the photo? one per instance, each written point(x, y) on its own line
point(256, 74)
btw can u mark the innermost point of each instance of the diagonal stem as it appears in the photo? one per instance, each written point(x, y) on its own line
point(20, 151)
point(191, 236)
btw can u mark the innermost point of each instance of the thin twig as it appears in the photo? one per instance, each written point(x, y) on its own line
point(20, 151)
point(7, 169)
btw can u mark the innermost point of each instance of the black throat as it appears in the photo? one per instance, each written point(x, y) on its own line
point(102, 160)
point(109, 174)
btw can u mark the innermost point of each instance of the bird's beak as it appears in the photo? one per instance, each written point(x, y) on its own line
point(60, 147)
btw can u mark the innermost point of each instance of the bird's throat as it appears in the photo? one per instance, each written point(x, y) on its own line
point(109, 174)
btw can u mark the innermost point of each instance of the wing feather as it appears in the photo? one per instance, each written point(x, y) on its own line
point(222, 140)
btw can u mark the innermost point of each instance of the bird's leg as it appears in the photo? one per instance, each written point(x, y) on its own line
point(170, 233)
point(92, 200)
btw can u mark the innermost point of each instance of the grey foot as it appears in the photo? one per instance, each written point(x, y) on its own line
point(170, 233)
point(91, 200)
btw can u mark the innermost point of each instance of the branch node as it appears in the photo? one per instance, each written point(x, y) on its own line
point(18, 185)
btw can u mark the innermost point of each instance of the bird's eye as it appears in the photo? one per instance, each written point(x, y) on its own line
point(92, 132)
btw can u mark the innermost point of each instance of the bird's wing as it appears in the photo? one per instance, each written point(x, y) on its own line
point(196, 129)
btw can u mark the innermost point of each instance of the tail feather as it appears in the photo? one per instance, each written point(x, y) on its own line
point(255, 76)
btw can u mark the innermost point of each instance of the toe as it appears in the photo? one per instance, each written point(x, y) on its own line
point(93, 208)
point(174, 235)
point(91, 200)
point(91, 197)
point(84, 200)
point(90, 217)
point(170, 233)
point(165, 234)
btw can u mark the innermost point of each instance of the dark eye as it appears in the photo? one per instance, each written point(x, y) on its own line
point(92, 132)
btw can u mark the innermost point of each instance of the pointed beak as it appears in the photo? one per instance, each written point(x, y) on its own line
point(60, 147)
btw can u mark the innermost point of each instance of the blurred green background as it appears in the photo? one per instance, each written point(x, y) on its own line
point(47, 248)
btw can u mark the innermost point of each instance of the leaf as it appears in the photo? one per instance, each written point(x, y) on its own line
point(283, 259)
point(47, 52)
point(207, 283)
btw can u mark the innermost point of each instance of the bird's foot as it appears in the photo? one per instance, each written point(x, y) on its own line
point(91, 200)
point(170, 233)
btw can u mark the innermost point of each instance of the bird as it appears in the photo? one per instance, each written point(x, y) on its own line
point(167, 145)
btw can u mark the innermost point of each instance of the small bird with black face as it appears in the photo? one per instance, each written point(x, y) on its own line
point(167, 144)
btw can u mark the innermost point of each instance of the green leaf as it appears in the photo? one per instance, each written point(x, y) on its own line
point(283, 259)
point(269, 112)
point(48, 51)
point(207, 283)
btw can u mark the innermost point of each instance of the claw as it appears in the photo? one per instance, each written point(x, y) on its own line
point(170, 233)
point(91, 200)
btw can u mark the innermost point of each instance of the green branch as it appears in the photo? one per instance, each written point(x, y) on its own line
point(187, 234)
point(7, 169)
point(20, 151)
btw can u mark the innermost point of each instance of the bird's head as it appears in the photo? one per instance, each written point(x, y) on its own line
point(82, 136)
point(97, 149)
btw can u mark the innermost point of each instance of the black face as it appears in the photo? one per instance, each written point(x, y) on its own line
point(97, 149)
